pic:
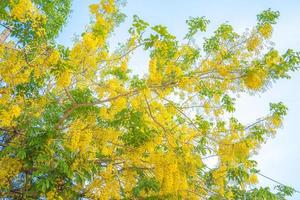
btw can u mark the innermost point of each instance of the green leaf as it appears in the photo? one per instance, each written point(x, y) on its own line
point(196, 24)
point(268, 16)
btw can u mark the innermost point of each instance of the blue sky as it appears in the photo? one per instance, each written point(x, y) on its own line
point(280, 157)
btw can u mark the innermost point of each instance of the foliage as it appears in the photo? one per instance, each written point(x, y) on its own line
point(30, 21)
point(75, 123)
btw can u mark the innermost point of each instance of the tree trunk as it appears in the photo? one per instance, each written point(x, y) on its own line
point(4, 35)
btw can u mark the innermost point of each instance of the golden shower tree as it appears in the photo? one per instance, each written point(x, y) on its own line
point(75, 123)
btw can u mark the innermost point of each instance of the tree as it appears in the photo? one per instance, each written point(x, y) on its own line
point(29, 21)
point(75, 123)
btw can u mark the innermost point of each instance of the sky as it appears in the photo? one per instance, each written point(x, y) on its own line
point(279, 158)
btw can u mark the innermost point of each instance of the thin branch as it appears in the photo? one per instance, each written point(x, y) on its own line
point(152, 117)
point(78, 105)
point(271, 179)
point(5, 26)
point(69, 95)
point(125, 54)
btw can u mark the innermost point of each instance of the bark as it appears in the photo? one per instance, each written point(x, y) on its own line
point(4, 35)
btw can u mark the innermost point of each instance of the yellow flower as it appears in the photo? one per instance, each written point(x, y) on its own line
point(276, 120)
point(50, 195)
point(265, 30)
point(155, 76)
point(273, 58)
point(79, 137)
point(53, 58)
point(253, 43)
point(8, 115)
point(24, 10)
point(53, 195)
point(9, 167)
point(94, 8)
point(123, 66)
point(15, 110)
point(241, 151)
point(119, 104)
point(207, 107)
point(253, 179)
point(255, 79)
point(100, 21)
point(64, 80)
point(89, 41)
point(40, 32)
point(230, 195)
point(223, 71)
point(21, 10)
point(109, 7)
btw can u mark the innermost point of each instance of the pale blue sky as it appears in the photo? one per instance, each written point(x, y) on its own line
point(280, 157)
